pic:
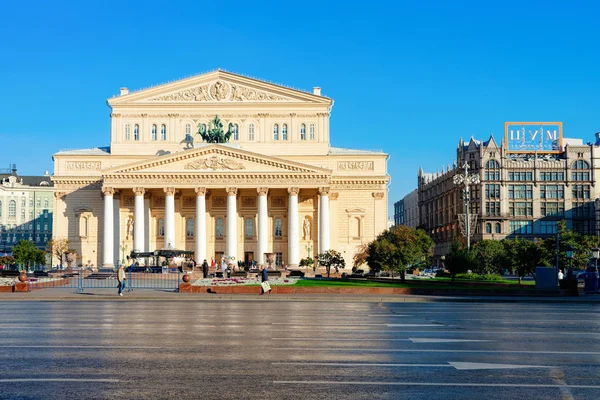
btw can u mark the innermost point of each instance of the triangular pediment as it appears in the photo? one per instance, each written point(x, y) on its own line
point(216, 158)
point(218, 87)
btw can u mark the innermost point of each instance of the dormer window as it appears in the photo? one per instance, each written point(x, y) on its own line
point(127, 132)
point(188, 129)
point(303, 132)
point(251, 132)
point(136, 132)
point(236, 132)
point(276, 132)
point(154, 130)
point(312, 132)
point(284, 131)
point(163, 132)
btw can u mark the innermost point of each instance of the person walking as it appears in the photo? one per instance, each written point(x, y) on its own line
point(264, 283)
point(121, 279)
point(205, 269)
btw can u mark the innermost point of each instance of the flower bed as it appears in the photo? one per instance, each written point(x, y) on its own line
point(242, 281)
point(12, 280)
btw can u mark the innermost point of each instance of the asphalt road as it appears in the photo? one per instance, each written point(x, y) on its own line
point(298, 350)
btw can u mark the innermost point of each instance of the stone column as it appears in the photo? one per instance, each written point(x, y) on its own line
point(293, 229)
point(147, 220)
point(200, 225)
point(138, 219)
point(170, 218)
point(108, 234)
point(263, 225)
point(323, 219)
point(231, 245)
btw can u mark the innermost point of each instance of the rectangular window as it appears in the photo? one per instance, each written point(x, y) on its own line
point(279, 259)
point(520, 192)
point(581, 191)
point(160, 228)
point(552, 192)
point(189, 227)
point(248, 231)
point(520, 227)
point(45, 203)
point(278, 228)
point(492, 208)
point(492, 191)
point(520, 209)
point(548, 227)
point(30, 203)
point(582, 209)
point(45, 227)
point(549, 209)
point(38, 203)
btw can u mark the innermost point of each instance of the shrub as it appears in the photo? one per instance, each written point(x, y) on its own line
point(477, 277)
point(442, 274)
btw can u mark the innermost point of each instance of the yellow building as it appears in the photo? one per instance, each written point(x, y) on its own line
point(276, 186)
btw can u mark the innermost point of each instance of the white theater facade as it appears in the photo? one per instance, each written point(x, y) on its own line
point(276, 187)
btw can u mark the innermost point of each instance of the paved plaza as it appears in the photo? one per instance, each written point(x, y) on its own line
point(274, 349)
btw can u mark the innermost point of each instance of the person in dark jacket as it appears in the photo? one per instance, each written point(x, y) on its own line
point(205, 269)
point(264, 278)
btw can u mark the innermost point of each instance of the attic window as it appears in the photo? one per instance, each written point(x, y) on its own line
point(44, 183)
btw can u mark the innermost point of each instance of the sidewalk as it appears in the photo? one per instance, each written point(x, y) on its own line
point(62, 294)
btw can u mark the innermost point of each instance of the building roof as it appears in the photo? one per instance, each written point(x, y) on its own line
point(94, 151)
point(29, 180)
point(341, 150)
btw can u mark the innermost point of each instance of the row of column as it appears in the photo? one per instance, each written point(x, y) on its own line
point(200, 234)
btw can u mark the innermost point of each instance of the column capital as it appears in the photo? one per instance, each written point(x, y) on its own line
point(231, 191)
point(108, 191)
point(139, 191)
point(200, 191)
point(169, 191)
point(262, 191)
point(378, 195)
point(324, 191)
point(293, 191)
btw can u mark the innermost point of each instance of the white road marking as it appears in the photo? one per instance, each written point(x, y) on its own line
point(429, 325)
point(9, 380)
point(389, 315)
point(340, 340)
point(77, 347)
point(357, 324)
point(462, 366)
point(432, 340)
point(323, 349)
point(450, 384)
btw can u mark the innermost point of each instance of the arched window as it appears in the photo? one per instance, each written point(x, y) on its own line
point(153, 131)
point(163, 132)
point(580, 164)
point(498, 229)
point(219, 227)
point(127, 132)
point(278, 227)
point(248, 228)
point(251, 132)
point(236, 132)
point(492, 170)
point(488, 228)
point(302, 131)
point(160, 228)
point(136, 132)
point(189, 227)
point(312, 132)
point(188, 129)
point(276, 132)
point(12, 209)
point(284, 132)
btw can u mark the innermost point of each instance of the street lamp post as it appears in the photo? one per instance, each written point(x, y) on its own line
point(595, 256)
point(569, 254)
point(123, 248)
point(466, 179)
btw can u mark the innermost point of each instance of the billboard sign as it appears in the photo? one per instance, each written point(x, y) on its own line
point(533, 137)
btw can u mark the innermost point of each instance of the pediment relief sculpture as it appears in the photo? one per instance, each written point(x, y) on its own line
point(220, 91)
point(215, 163)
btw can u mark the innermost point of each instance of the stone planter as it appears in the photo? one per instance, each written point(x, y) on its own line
point(23, 276)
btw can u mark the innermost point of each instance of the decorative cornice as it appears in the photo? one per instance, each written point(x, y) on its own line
point(108, 191)
point(293, 191)
point(169, 191)
point(219, 91)
point(217, 180)
point(324, 191)
point(262, 191)
point(200, 191)
point(214, 163)
point(139, 191)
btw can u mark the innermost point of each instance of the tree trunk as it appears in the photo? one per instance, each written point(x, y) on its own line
point(328, 269)
point(453, 275)
point(519, 279)
point(402, 277)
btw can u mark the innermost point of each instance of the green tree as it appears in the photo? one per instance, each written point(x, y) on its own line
point(25, 253)
point(361, 255)
point(528, 256)
point(57, 247)
point(214, 133)
point(308, 262)
point(581, 245)
point(398, 248)
point(459, 259)
point(331, 258)
point(487, 256)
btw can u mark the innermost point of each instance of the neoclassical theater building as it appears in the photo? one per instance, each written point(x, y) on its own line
point(276, 187)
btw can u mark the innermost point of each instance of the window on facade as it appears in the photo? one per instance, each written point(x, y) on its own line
point(549, 209)
point(219, 227)
point(251, 132)
point(520, 192)
point(548, 227)
point(580, 176)
point(45, 203)
point(581, 191)
point(37, 226)
point(284, 132)
point(498, 228)
point(492, 208)
point(583, 227)
point(580, 164)
point(163, 132)
point(38, 203)
point(160, 228)
point(552, 176)
point(520, 227)
point(23, 202)
point(312, 132)
point(189, 227)
point(520, 176)
point(520, 209)
point(552, 192)
point(276, 132)
point(12, 209)
point(236, 132)
point(188, 129)
point(30, 226)
point(154, 130)
point(83, 226)
point(31, 203)
point(488, 228)
point(355, 227)
point(303, 132)
point(278, 227)
point(248, 231)
point(127, 132)
point(582, 209)
point(492, 170)
point(279, 259)
point(45, 226)
point(136, 132)
point(492, 191)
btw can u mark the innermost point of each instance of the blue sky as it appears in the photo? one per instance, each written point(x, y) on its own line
point(407, 77)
